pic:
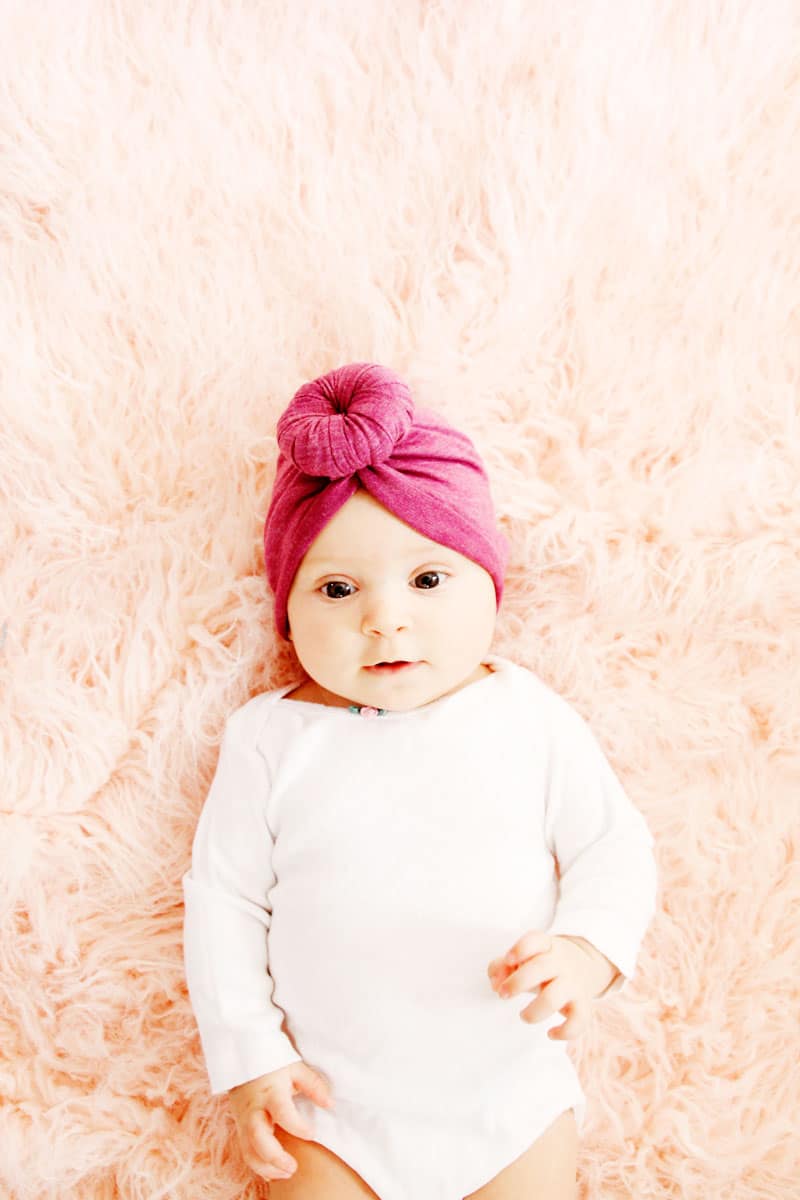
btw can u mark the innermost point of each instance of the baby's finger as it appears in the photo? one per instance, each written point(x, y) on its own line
point(263, 1151)
point(530, 977)
point(576, 1023)
point(535, 941)
point(285, 1113)
point(314, 1085)
point(551, 999)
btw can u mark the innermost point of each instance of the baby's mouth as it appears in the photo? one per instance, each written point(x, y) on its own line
point(391, 668)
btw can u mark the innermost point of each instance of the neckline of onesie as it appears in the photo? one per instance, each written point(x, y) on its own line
point(498, 664)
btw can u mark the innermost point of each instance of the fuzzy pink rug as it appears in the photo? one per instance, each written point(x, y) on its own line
point(575, 229)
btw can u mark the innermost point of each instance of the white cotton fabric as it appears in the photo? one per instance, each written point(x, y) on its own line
point(352, 878)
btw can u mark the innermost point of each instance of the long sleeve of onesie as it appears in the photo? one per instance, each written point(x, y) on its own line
point(227, 917)
point(604, 848)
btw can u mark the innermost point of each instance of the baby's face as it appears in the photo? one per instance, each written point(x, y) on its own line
point(370, 590)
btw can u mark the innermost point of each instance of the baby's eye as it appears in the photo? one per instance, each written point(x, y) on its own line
point(429, 579)
point(338, 594)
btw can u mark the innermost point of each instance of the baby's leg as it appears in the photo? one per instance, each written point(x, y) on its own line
point(547, 1170)
point(320, 1174)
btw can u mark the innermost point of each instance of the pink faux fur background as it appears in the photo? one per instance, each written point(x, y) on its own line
point(575, 229)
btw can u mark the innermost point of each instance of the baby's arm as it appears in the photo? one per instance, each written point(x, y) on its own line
point(604, 848)
point(227, 916)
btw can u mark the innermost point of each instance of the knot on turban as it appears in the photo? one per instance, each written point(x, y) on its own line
point(346, 420)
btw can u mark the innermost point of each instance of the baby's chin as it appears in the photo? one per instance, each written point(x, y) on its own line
point(397, 690)
point(413, 687)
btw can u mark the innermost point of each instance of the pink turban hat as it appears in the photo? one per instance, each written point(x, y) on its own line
point(357, 427)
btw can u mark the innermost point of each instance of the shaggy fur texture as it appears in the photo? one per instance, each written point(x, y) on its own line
point(574, 230)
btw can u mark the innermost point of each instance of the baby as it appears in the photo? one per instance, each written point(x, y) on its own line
point(410, 864)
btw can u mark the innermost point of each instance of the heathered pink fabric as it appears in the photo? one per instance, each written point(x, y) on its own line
point(356, 427)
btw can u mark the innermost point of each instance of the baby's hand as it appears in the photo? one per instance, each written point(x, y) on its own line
point(261, 1103)
point(571, 969)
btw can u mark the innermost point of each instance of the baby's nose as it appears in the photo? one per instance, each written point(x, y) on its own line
point(385, 612)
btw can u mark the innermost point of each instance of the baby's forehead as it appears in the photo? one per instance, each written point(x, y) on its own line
point(363, 532)
point(355, 556)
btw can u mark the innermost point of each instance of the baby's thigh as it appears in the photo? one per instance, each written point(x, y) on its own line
point(320, 1174)
point(547, 1170)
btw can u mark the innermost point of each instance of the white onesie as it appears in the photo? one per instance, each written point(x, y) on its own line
point(351, 880)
